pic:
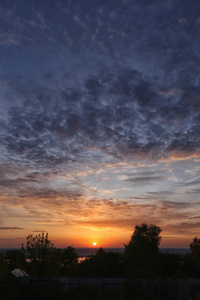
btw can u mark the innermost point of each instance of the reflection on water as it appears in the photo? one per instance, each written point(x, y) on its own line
point(83, 253)
point(80, 259)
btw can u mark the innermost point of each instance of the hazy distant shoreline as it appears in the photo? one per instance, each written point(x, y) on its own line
point(84, 252)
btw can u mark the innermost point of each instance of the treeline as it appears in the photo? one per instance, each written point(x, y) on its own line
point(141, 259)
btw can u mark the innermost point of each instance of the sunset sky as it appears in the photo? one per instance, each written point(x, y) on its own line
point(99, 120)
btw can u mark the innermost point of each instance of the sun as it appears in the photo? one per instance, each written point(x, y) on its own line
point(94, 244)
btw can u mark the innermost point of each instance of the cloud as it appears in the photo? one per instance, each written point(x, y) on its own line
point(140, 178)
point(143, 180)
point(193, 191)
point(165, 205)
point(11, 228)
point(161, 193)
point(99, 87)
point(190, 183)
point(125, 215)
point(118, 128)
point(10, 239)
point(195, 217)
point(184, 227)
point(123, 111)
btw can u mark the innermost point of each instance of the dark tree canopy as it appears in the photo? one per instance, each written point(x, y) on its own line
point(16, 258)
point(141, 258)
point(37, 247)
point(145, 235)
point(143, 247)
point(195, 248)
point(43, 256)
point(69, 260)
point(102, 264)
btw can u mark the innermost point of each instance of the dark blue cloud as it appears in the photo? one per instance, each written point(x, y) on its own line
point(122, 77)
point(117, 111)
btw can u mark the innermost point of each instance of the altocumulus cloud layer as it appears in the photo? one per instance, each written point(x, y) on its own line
point(100, 110)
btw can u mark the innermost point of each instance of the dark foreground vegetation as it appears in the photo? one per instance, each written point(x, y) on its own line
point(142, 272)
point(148, 289)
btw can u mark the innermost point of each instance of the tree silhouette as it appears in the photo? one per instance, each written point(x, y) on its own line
point(37, 247)
point(4, 267)
point(39, 251)
point(69, 260)
point(195, 248)
point(15, 259)
point(142, 251)
point(102, 264)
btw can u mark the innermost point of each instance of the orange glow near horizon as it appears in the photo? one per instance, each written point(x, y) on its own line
point(87, 239)
point(112, 240)
point(104, 239)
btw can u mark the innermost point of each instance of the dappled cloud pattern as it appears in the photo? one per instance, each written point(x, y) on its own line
point(99, 117)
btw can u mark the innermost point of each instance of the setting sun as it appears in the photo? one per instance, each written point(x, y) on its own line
point(94, 244)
